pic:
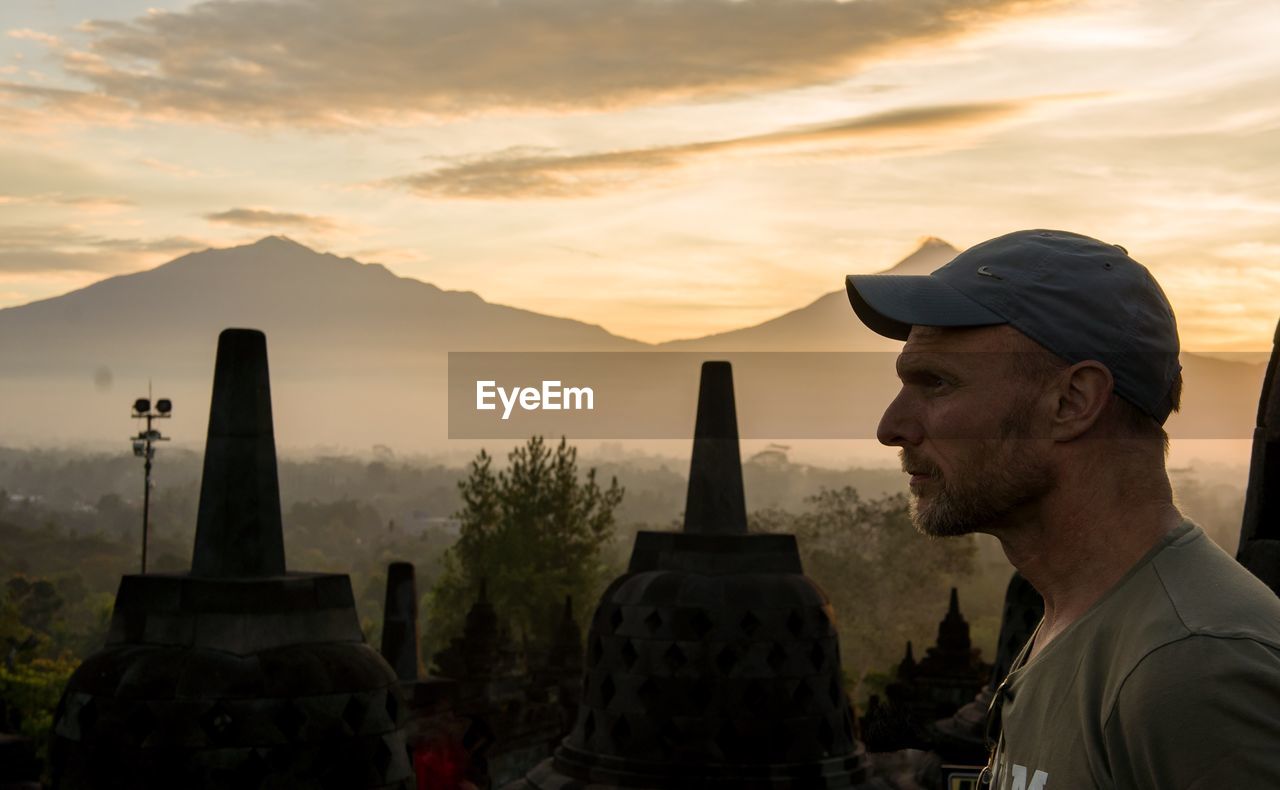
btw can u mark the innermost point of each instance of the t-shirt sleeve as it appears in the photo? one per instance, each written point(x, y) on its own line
point(1201, 713)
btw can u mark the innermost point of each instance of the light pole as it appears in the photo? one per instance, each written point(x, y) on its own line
point(142, 447)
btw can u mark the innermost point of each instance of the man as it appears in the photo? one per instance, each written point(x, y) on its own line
point(1038, 371)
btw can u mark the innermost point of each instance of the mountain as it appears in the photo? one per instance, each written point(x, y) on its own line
point(1219, 397)
point(321, 302)
point(359, 358)
point(827, 324)
point(355, 349)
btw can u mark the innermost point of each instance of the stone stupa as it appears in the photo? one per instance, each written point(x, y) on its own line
point(1260, 529)
point(238, 674)
point(713, 661)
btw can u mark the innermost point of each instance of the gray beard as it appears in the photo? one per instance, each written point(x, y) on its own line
point(1004, 476)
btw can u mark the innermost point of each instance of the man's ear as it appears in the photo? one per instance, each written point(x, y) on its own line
point(1084, 390)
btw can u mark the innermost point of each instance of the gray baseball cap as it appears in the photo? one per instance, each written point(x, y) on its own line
point(1078, 297)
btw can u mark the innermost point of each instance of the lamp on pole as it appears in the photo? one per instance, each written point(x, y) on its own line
point(142, 447)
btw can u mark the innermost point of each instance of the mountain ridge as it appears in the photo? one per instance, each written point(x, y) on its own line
point(347, 332)
point(824, 324)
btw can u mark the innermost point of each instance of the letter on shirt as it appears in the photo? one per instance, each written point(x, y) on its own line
point(1038, 780)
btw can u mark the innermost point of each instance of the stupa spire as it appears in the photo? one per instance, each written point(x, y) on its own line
point(715, 504)
point(238, 529)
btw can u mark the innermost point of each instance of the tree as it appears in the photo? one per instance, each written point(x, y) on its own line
point(533, 531)
point(37, 602)
point(887, 582)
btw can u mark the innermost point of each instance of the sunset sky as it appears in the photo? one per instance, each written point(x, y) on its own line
point(664, 168)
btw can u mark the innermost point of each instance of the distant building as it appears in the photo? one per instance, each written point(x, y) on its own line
point(948, 676)
point(772, 455)
point(418, 522)
point(491, 712)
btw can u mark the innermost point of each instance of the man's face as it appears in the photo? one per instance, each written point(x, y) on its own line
point(966, 421)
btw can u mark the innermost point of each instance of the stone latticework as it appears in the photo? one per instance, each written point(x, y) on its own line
point(239, 674)
point(713, 661)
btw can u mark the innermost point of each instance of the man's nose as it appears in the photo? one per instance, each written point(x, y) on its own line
point(899, 427)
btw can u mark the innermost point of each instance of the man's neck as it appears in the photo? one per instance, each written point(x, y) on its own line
point(1084, 537)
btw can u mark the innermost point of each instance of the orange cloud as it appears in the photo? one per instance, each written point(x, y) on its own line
point(27, 34)
point(359, 62)
point(33, 109)
point(103, 204)
point(47, 250)
point(264, 218)
point(520, 173)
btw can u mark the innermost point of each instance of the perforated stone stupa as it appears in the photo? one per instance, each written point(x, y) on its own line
point(238, 674)
point(713, 661)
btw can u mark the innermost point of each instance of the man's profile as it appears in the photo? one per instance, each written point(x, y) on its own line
point(1038, 371)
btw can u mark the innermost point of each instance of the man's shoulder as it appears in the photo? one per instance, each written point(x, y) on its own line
point(1203, 667)
point(1191, 598)
point(1212, 594)
point(1203, 711)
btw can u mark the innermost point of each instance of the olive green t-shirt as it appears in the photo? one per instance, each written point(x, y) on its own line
point(1171, 681)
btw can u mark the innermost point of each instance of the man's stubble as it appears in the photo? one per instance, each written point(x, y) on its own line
point(999, 476)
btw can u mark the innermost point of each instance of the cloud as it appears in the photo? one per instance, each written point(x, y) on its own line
point(27, 34)
point(263, 218)
point(360, 62)
point(522, 173)
point(33, 109)
point(170, 167)
point(101, 204)
point(48, 249)
point(29, 174)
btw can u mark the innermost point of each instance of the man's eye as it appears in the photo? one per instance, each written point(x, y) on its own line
point(928, 381)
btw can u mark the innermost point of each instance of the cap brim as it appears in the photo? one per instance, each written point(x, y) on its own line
point(890, 304)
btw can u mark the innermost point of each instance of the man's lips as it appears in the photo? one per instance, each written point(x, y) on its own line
point(919, 476)
point(920, 470)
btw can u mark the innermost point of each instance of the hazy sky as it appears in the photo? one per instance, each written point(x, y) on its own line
point(664, 168)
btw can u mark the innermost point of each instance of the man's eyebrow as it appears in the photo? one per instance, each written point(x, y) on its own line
point(914, 362)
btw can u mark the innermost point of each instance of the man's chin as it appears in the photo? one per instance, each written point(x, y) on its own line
point(943, 530)
point(928, 523)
